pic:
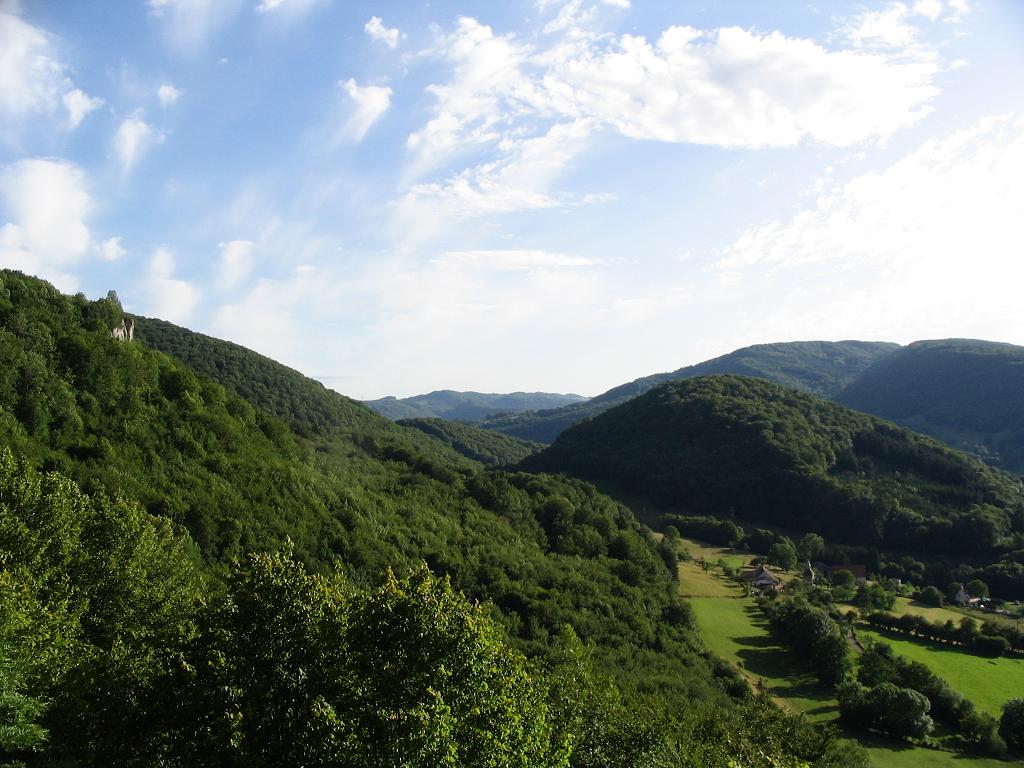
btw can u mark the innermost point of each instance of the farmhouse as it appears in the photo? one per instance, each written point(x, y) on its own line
point(763, 579)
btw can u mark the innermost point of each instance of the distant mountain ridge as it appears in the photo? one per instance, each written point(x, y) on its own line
point(467, 406)
point(821, 368)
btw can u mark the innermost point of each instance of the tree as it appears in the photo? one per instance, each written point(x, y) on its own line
point(931, 596)
point(783, 554)
point(977, 588)
point(844, 584)
point(1011, 724)
point(811, 546)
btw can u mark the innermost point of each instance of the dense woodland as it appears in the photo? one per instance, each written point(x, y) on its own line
point(746, 449)
point(206, 559)
point(966, 393)
point(483, 445)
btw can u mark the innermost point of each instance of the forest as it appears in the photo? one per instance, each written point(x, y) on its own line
point(209, 564)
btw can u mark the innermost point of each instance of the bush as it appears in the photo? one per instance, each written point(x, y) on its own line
point(1011, 724)
point(988, 645)
point(931, 596)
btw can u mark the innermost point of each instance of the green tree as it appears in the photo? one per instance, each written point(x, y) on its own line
point(931, 596)
point(977, 588)
point(1011, 724)
point(811, 546)
point(783, 554)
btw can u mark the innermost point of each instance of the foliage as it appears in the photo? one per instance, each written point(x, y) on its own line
point(722, 532)
point(725, 445)
point(874, 596)
point(1011, 724)
point(812, 634)
point(486, 446)
point(898, 712)
point(964, 392)
point(783, 554)
point(932, 596)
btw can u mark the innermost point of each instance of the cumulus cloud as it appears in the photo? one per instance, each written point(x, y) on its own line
point(722, 87)
point(46, 206)
point(168, 94)
point(367, 104)
point(32, 79)
point(929, 242)
point(79, 104)
point(236, 262)
point(166, 296)
point(388, 35)
point(111, 249)
point(134, 137)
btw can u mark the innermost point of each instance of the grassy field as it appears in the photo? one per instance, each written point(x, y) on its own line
point(734, 630)
point(986, 682)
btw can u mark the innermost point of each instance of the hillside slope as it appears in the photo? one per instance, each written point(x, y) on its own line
point(467, 406)
point(739, 447)
point(822, 368)
point(128, 422)
point(483, 445)
point(967, 393)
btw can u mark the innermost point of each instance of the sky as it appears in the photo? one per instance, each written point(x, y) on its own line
point(531, 195)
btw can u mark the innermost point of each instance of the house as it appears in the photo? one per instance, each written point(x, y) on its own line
point(964, 600)
point(763, 579)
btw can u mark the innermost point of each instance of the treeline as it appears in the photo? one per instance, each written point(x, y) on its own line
point(888, 694)
point(879, 700)
point(990, 639)
point(810, 632)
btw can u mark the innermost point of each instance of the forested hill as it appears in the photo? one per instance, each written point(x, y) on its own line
point(967, 393)
point(467, 406)
point(133, 487)
point(821, 368)
point(483, 445)
point(307, 406)
point(746, 448)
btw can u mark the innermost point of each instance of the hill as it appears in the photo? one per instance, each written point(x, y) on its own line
point(738, 447)
point(483, 445)
point(822, 368)
point(967, 393)
point(122, 467)
point(467, 406)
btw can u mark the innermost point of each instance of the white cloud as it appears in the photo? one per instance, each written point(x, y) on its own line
point(189, 23)
point(133, 138)
point(292, 8)
point(168, 94)
point(533, 108)
point(926, 247)
point(236, 262)
point(32, 79)
point(46, 205)
point(368, 103)
point(930, 9)
point(388, 35)
point(79, 104)
point(167, 297)
point(519, 180)
point(111, 249)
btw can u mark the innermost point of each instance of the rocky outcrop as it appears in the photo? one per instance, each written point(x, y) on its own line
point(125, 331)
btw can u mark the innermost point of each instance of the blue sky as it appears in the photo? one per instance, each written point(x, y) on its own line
point(554, 195)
